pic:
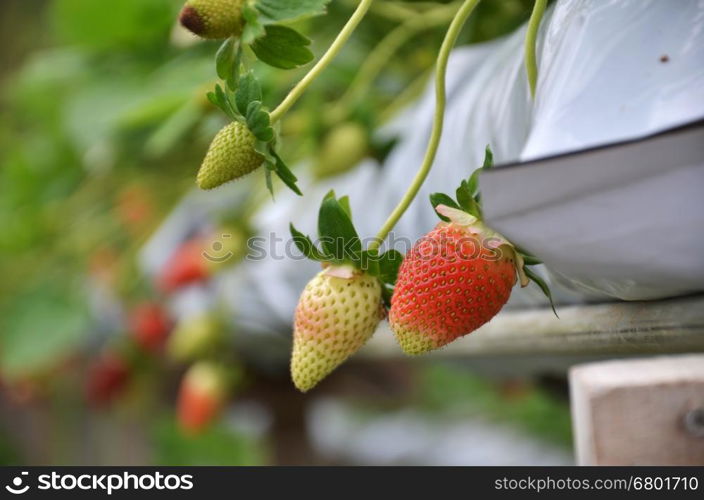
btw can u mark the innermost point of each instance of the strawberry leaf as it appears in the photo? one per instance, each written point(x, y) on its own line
point(282, 47)
point(253, 28)
point(389, 263)
point(248, 91)
point(543, 287)
point(283, 10)
point(219, 99)
point(337, 233)
point(369, 262)
point(488, 158)
point(306, 246)
point(285, 174)
point(345, 202)
point(465, 198)
point(442, 199)
point(227, 61)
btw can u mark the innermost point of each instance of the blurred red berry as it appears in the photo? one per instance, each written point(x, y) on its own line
point(150, 326)
point(201, 396)
point(186, 266)
point(107, 379)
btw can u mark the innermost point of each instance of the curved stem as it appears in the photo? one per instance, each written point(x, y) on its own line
point(389, 45)
point(323, 62)
point(450, 38)
point(531, 36)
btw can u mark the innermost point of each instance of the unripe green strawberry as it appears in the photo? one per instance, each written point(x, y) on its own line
point(213, 18)
point(202, 395)
point(335, 316)
point(343, 148)
point(455, 279)
point(230, 156)
point(195, 336)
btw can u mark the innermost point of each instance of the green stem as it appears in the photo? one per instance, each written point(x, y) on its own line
point(450, 38)
point(531, 36)
point(323, 62)
point(378, 58)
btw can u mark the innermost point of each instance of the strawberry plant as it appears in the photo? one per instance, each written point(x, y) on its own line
point(438, 297)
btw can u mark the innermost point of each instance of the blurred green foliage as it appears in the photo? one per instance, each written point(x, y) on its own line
point(217, 446)
point(451, 388)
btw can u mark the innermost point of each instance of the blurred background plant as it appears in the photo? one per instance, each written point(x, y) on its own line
point(104, 123)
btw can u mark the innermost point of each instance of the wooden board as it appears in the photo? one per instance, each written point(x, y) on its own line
point(639, 412)
point(670, 326)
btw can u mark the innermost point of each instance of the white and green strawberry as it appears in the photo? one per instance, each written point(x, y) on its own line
point(342, 305)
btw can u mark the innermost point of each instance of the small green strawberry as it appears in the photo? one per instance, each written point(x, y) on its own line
point(457, 277)
point(231, 155)
point(337, 313)
point(343, 148)
point(342, 305)
point(195, 336)
point(213, 19)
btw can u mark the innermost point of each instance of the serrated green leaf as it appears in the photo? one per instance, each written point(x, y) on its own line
point(442, 199)
point(253, 28)
point(224, 103)
point(248, 91)
point(306, 246)
point(337, 233)
point(282, 47)
point(389, 263)
point(273, 11)
point(543, 287)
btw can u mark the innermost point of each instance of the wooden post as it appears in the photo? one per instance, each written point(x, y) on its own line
point(639, 412)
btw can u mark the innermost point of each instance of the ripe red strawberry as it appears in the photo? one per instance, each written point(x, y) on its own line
point(458, 276)
point(453, 281)
point(108, 377)
point(201, 397)
point(150, 326)
point(336, 314)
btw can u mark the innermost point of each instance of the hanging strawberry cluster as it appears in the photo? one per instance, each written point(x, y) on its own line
point(454, 280)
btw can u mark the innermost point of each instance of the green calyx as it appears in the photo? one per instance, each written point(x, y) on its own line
point(340, 249)
point(466, 210)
